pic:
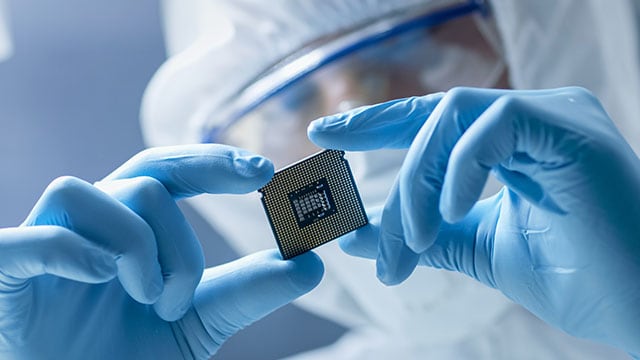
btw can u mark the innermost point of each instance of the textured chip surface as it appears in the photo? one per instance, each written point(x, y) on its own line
point(312, 202)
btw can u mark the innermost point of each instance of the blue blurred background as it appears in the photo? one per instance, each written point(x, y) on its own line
point(69, 102)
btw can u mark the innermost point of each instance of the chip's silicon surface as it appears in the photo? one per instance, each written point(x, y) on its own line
point(312, 202)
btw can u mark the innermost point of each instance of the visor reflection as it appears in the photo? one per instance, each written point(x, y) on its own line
point(418, 62)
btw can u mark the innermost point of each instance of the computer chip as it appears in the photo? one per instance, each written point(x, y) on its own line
point(312, 202)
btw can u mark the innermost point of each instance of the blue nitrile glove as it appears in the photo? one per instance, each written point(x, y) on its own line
point(562, 238)
point(108, 271)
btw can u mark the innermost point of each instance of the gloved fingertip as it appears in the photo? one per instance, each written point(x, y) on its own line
point(449, 216)
point(363, 242)
point(350, 245)
point(395, 261)
point(324, 123)
point(106, 267)
point(452, 213)
point(307, 271)
point(100, 268)
point(386, 276)
point(449, 207)
point(254, 166)
point(314, 127)
point(167, 315)
point(324, 131)
point(152, 289)
point(418, 233)
point(172, 313)
point(417, 247)
point(384, 273)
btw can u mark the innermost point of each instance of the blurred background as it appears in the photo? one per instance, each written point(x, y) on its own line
point(69, 102)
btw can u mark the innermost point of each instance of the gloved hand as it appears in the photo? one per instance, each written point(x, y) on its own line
point(562, 238)
point(108, 271)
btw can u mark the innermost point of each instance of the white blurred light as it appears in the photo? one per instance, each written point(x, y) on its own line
point(6, 48)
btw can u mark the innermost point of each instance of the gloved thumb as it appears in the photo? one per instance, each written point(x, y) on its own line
point(467, 245)
point(232, 296)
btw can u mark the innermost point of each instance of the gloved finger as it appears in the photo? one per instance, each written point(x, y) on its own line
point(411, 216)
point(420, 180)
point(395, 261)
point(189, 170)
point(232, 296)
point(80, 207)
point(37, 250)
point(179, 251)
point(364, 241)
point(392, 124)
point(466, 246)
point(512, 130)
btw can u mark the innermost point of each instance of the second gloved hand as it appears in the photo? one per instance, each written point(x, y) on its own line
point(114, 270)
point(562, 238)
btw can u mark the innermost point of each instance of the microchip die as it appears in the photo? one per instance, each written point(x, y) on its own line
point(312, 202)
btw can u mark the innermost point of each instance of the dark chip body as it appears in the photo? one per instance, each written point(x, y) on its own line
point(312, 202)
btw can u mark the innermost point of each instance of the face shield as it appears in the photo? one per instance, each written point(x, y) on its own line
point(6, 47)
point(416, 51)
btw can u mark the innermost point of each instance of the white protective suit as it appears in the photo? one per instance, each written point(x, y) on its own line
point(217, 46)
